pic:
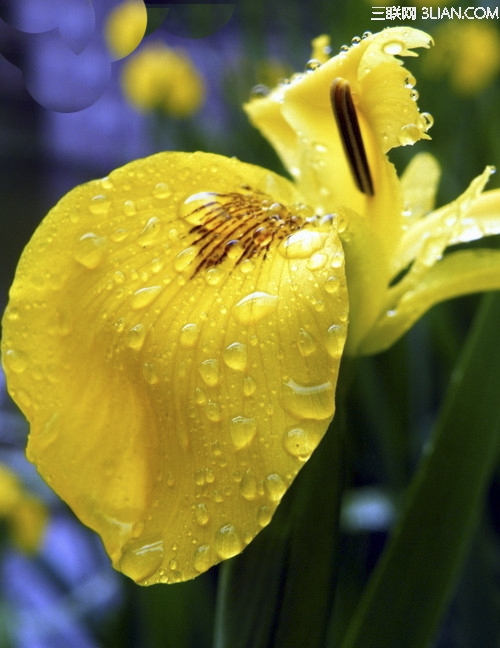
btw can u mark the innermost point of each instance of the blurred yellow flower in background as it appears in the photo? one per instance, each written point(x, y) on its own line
point(125, 27)
point(159, 77)
point(25, 515)
point(466, 52)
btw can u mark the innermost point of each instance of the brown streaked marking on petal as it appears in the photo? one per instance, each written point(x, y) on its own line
point(240, 226)
point(350, 134)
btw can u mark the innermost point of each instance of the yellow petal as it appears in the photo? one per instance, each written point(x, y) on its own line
point(176, 379)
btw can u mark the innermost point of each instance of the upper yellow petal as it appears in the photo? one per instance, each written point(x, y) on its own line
point(176, 380)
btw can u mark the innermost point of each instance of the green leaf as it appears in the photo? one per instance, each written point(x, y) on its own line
point(415, 578)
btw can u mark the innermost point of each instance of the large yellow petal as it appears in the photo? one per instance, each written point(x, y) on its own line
point(176, 379)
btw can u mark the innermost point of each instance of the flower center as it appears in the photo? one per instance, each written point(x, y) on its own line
point(350, 134)
point(237, 225)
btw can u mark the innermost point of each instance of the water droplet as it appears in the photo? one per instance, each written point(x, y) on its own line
point(119, 235)
point(254, 307)
point(302, 244)
point(334, 341)
point(227, 542)
point(16, 360)
point(144, 296)
point(213, 411)
point(248, 486)
point(259, 90)
point(149, 232)
point(173, 564)
point(312, 64)
point(275, 487)
point(393, 47)
point(356, 40)
point(247, 266)
point(202, 560)
point(309, 401)
point(129, 208)
point(242, 430)
point(306, 344)
point(264, 515)
point(184, 259)
point(201, 514)
point(140, 561)
point(426, 121)
point(366, 34)
point(192, 208)
point(99, 204)
point(409, 134)
point(316, 261)
point(332, 284)
point(136, 336)
point(209, 371)
point(213, 276)
point(161, 190)
point(149, 373)
point(414, 95)
point(249, 385)
point(189, 334)
point(200, 398)
point(235, 356)
point(300, 443)
point(89, 250)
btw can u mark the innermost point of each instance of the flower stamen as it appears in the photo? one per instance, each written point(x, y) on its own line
point(350, 134)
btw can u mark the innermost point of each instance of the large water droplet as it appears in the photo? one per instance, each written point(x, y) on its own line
point(149, 233)
point(201, 514)
point(209, 371)
point(202, 558)
point(149, 372)
point(15, 360)
point(144, 296)
point(140, 561)
point(393, 47)
point(136, 336)
point(306, 344)
point(227, 542)
point(248, 486)
point(161, 190)
point(302, 244)
point(99, 204)
point(243, 430)
point(254, 307)
point(334, 341)
point(89, 250)
point(275, 487)
point(300, 443)
point(213, 411)
point(409, 134)
point(309, 401)
point(189, 334)
point(264, 515)
point(184, 259)
point(235, 356)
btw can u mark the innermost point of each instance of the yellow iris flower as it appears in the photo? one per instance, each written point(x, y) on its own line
point(174, 330)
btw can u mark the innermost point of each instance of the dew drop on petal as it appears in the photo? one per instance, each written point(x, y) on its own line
point(15, 360)
point(99, 205)
point(243, 430)
point(264, 515)
point(141, 561)
point(144, 296)
point(302, 244)
point(275, 487)
point(235, 356)
point(299, 443)
point(149, 372)
point(306, 344)
point(309, 401)
point(254, 307)
point(189, 334)
point(184, 259)
point(89, 250)
point(393, 48)
point(249, 385)
point(213, 411)
point(136, 336)
point(227, 542)
point(209, 371)
point(161, 190)
point(409, 134)
point(201, 514)
point(334, 341)
point(248, 486)
point(149, 232)
point(129, 208)
point(202, 560)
